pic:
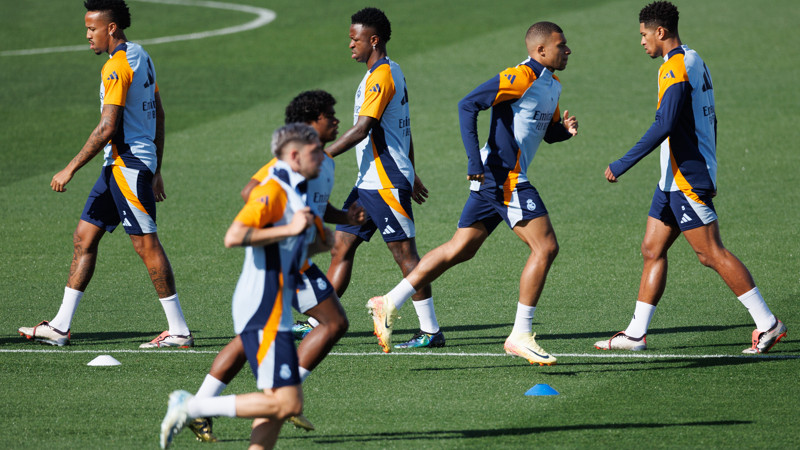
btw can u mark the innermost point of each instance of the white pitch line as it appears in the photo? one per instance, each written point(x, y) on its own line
point(265, 16)
point(561, 355)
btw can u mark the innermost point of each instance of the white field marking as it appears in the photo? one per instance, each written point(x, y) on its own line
point(265, 16)
point(562, 355)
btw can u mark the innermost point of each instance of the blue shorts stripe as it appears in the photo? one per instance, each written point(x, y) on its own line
point(488, 207)
point(392, 224)
point(676, 209)
point(313, 288)
point(279, 367)
point(107, 207)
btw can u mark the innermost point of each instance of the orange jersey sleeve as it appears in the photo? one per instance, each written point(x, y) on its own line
point(117, 77)
point(380, 90)
point(671, 72)
point(266, 206)
point(514, 81)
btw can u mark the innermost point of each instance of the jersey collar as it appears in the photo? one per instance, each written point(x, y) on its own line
point(122, 46)
point(384, 60)
point(679, 50)
point(283, 172)
point(537, 67)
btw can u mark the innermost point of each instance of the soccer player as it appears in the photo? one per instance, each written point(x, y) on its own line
point(275, 227)
point(315, 296)
point(524, 103)
point(131, 134)
point(386, 181)
point(686, 129)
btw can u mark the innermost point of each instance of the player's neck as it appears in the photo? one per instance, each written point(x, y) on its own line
point(116, 40)
point(376, 56)
point(670, 44)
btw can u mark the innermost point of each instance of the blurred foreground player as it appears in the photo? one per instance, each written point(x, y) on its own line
point(315, 296)
point(686, 129)
point(274, 226)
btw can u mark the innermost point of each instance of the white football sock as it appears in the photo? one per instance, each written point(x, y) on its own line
point(642, 315)
point(304, 373)
point(172, 308)
point(426, 315)
point(224, 406)
point(401, 293)
point(757, 307)
point(211, 387)
point(523, 322)
point(313, 322)
point(69, 304)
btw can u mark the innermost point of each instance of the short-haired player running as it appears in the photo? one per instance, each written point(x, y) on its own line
point(524, 104)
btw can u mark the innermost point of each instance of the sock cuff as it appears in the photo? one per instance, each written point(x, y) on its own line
point(748, 294)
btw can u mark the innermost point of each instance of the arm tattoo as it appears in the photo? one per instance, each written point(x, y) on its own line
point(248, 236)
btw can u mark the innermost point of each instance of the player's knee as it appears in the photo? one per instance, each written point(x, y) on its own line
point(342, 251)
point(466, 252)
point(551, 250)
point(650, 253)
point(336, 326)
point(710, 259)
point(546, 251)
point(83, 243)
point(341, 325)
point(290, 407)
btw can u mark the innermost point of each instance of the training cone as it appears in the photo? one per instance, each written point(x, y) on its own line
point(104, 360)
point(542, 389)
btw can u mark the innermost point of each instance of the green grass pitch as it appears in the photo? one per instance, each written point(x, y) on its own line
point(224, 95)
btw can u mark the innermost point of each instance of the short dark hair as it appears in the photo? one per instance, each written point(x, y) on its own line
point(375, 19)
point(308, 105)
point(542, 31)
point(660, 14)
point(117, 11)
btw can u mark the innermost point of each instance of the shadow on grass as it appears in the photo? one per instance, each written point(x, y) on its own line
point(498, 432)
point(450, 329)
point(655, 364)
point(126, 339)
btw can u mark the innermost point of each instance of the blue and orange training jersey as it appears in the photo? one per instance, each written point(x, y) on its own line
point(319, 188)
point(685, 126)
point(129, 80)
point(383, 161)
point(318, 192)
point(524, 103)
point(265, 290)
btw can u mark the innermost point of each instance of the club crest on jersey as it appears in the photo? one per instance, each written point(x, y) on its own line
point(321, 284)
point(530, 205)
point(285, 372)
